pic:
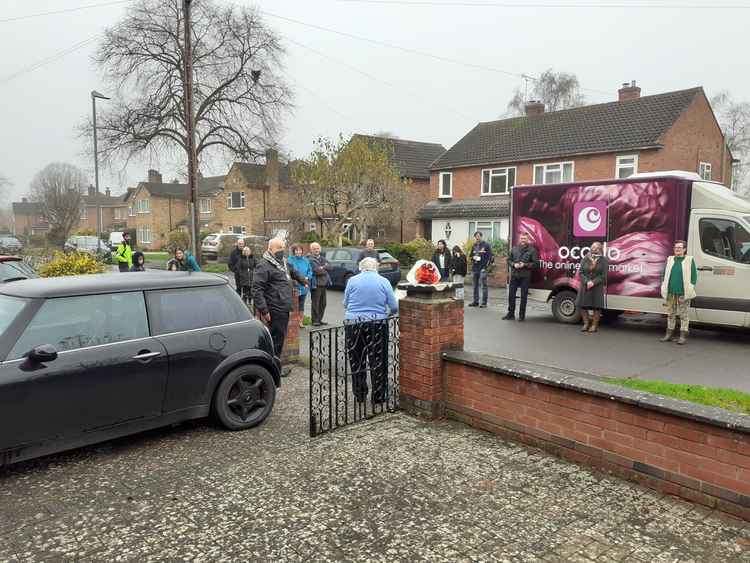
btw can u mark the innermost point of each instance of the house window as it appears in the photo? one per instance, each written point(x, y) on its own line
point(142, 206)
point(84, 215)
point(144, 234)
point(313, 227)
point(131, 211)
point(626, 165)
point(238, 230)
point(236, 200)
point(498, 180)
point(446, 184)
point(205, 205)
point(704, 170)
point(491, 230)
point(119, 213)
point(553, 172)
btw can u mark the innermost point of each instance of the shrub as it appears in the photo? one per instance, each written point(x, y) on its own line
point(177, 239)
point(203, 234)
point(73, 264)
point(37, 241)
point(310, 236)
point(85, 232)
point(346, 241)
point(417, 249)
point(499, 247)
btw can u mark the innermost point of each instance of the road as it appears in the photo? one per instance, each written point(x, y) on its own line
point(629, 348)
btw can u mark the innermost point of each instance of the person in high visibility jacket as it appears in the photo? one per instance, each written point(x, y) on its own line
point(124, 254)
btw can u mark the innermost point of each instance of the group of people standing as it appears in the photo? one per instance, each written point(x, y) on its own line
point(129, 260)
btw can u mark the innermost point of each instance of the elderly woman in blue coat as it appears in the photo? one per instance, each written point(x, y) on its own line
point(369, 301)
point(298, 261)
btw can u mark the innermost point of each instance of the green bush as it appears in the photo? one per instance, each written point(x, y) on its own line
point(203, 234)
point(177, 239)
point(346, 241)
point(73, 264)
point(499, 247)
point(310, 236)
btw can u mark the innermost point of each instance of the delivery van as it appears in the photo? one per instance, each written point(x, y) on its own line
point(638, 219)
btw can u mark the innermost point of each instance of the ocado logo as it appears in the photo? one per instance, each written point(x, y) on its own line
point(589, 219)
point(578, 252)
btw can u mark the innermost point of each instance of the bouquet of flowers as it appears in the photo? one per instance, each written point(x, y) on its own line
point(424, 272)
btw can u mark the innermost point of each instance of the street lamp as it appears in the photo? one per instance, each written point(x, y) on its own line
point(94, 96)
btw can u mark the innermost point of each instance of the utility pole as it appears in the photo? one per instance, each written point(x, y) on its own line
point(94, 96)
point(190, 130)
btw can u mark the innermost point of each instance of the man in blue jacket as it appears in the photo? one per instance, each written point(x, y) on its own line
point(481, 258)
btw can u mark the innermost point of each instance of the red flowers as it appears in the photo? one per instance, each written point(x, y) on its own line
point(427, 274)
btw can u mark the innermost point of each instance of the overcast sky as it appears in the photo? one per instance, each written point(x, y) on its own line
point(362, 87)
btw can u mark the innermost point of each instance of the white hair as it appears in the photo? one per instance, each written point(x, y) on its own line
point(368, 265)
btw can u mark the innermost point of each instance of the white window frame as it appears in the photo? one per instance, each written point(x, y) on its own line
point(498, 172)
point(619, 165)
point(441, 175)
point(242, 200)
point(545, 166)
point(119, 213)
point(84, 213)
point(143, 237)
point(489, 225)
point(243, 230)
point(142, 206)
point(703, 168)
point(131, 211)
point(205, 205)
point(313, 227)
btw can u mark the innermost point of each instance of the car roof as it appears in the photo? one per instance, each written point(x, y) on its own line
point(92, 284)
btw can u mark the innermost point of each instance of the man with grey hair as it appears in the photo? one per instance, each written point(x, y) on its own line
point(368, 300)
point(321, 279)
point(369, 251)
point(272, 291)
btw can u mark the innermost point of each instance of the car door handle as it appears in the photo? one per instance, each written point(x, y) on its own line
point(706, 269)
point(141, 356)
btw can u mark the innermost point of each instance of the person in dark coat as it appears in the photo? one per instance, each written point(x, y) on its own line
point(272, 291)
point(139, 262)
point(245, 267)
point(521, 262)
point(442, 259)
point(234, 258)
point(481, 258)
point(369, 251)
point(321, 279)
point(459, 268)
point(593, 276)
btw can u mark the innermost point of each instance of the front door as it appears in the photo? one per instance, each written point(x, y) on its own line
point(722, 256)
point(108, 370)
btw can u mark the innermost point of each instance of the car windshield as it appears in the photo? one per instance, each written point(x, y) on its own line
point(15, 270)
point(385, 256)
point(85, 242)
point(10, 308)
point(209, 237)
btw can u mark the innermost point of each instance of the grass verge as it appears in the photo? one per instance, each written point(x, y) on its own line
point(215, 268)
point(729, 399)
point(156, 256)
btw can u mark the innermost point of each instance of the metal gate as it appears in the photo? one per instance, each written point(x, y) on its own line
point(354, 373)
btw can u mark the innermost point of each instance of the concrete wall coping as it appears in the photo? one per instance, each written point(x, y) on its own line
point(593, 385)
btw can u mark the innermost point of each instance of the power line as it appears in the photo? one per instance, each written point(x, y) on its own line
point(65, 11)
point(473, 4)
point(415, 51)
point(52, 58)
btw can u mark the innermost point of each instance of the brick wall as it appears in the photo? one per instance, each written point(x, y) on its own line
point(694, 460)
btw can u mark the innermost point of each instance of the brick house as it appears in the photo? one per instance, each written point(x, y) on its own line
point(470, 183)
point(28, 219)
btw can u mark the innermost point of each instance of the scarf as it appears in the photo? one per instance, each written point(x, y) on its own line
point(279, 266)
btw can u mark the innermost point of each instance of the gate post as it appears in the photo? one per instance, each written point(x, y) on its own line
point(431, 322)
point(290, 354)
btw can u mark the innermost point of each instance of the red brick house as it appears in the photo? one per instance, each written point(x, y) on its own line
point(470, 183)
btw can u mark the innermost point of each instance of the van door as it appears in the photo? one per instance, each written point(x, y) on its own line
point(720, 244)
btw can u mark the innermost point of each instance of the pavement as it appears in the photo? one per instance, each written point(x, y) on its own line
point(391, 489)
point(629, 348)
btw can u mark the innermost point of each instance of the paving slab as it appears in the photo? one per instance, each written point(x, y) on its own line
point(391, 489)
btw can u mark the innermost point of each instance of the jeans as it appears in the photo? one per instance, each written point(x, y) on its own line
point(302, 298)
point(318, 304)
point(513, 286)
point(277, 327)
point(367, 345)
point(480, 278)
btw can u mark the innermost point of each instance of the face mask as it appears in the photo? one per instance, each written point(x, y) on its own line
point(279, 256)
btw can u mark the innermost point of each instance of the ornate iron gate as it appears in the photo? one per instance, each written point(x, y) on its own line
point(354, 373)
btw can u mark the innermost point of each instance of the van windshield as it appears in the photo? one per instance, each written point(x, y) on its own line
point(10, 308)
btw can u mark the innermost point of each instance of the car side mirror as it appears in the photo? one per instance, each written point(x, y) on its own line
point(42, 354)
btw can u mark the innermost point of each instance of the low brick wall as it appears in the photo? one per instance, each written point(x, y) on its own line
point(498, 277)
point(699, 453)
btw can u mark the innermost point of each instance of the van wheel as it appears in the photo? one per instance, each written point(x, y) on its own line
point(244, 397)
point(565, 308)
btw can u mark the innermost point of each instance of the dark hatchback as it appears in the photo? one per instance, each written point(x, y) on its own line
point(91, 358)
point(13, 268)
point(345, 264)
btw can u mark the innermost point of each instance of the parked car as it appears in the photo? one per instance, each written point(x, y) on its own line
point(90, 245)
point(115, 238)
point(218, 246)
point(90, 358)
point(13, 268)
point(345, 263)
point(10, 245)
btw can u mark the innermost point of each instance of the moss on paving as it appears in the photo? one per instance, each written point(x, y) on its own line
point(728, 399)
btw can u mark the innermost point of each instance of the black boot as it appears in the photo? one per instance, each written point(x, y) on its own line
point(509, 316)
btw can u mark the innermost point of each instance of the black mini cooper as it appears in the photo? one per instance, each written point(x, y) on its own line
point(91, 358)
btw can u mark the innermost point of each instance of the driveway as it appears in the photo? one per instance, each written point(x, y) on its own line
point(629, 348)
point(392, 489)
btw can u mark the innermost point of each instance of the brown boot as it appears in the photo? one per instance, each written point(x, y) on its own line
point(586, 320)
point(667, 335)
point(683, 338)
point(595, 321)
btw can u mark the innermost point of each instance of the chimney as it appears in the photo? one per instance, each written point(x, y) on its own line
point(25, 200)
point(534, 107)
point(272, 168)
point(154, 177)
point(108, 192)
point(629, 92)
point(92, 190)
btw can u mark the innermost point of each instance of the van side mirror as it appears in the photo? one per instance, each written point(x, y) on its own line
point(42, 354)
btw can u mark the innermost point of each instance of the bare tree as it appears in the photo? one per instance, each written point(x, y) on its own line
point(239, 91)
point(348, 182)
point(58, 189)
point(734, 118)
point(4, 183)
point(557, 90)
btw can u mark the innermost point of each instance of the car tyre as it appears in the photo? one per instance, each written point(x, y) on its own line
point(245, 397)
point(565, 309)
